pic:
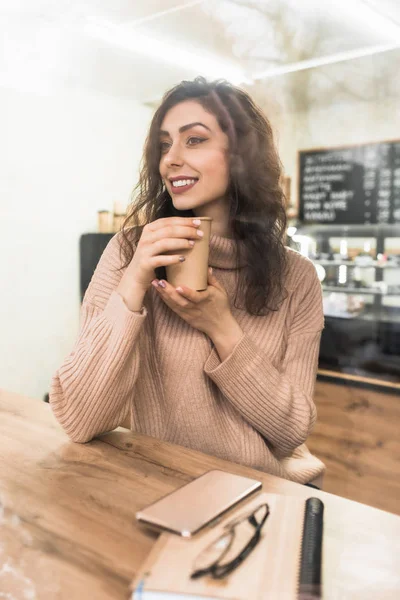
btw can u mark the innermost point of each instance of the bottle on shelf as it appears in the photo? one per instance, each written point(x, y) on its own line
point(357, 277)
point(104, 221)
point(119, 216)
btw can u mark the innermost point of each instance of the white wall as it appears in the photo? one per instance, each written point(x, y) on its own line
point(63, 157)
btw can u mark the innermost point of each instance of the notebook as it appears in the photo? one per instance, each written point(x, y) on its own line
point(270, 571)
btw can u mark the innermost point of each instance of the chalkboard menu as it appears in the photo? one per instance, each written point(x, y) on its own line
point(351, 185)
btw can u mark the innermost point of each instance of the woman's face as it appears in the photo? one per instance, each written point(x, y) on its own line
point(194, 157)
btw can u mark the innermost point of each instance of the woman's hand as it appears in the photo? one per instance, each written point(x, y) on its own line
point(207, 311)
point(172, 234)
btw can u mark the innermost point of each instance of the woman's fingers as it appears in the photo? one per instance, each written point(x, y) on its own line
point(176, 232)
point(165, 242)
point(170, 245)
point(172, 222)
point(170, 296)
point(171, 238)
point(164, 260)
point(191, 295)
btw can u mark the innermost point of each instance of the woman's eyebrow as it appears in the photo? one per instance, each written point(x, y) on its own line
point(186, 127)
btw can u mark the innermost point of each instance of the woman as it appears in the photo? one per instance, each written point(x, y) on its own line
point(231, 370)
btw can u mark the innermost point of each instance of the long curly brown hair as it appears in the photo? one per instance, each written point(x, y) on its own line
point(257, 202)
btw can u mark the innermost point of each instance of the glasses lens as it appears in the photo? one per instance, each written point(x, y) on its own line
point(214, 552)
point(239, 533)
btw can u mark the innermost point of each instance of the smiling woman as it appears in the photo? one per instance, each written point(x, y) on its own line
point(197, 155)
point(214, 133)
point(229, 370)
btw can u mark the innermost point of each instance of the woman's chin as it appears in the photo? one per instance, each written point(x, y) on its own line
point(185, 203)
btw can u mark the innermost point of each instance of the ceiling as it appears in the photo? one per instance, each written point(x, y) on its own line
point(138, 49)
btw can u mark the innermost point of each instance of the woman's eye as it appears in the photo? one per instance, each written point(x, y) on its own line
point(193, 141)
point(164, 147)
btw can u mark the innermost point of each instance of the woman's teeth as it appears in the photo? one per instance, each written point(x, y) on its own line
point(182, 182)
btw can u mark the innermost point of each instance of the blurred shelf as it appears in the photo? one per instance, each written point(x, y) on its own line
point(380, 316)
point(362, 347)
point(351, 263)
point(362, 380)
point(351, 230)
point(350, 290)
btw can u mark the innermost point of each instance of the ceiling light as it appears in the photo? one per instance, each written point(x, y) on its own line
point(164, 51)
point(326, 60)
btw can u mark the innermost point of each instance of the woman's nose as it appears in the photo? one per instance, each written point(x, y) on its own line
point(174, 156)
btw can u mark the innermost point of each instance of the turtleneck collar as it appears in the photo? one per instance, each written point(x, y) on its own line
point(223, 252)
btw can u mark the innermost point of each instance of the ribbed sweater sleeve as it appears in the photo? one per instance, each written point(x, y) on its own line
point(91, 391)
point(278, 402)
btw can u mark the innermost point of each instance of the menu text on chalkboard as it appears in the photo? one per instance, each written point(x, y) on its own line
point(351, 185)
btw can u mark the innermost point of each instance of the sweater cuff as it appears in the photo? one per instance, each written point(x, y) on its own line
point(119, 316)
point(224, 373)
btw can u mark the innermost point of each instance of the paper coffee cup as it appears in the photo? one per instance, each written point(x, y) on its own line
point(193, 272)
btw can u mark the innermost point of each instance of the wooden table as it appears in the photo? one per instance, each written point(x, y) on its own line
point(67, 526)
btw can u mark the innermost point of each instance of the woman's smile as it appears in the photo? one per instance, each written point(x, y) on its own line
point(181, 185)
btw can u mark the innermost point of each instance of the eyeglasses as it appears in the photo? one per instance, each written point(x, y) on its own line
point(230, 549)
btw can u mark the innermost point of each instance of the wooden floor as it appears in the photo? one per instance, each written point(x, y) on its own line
point(357, 436)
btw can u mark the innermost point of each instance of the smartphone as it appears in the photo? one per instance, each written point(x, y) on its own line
point(196, 504)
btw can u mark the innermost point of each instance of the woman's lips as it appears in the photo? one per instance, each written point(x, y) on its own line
point(183, 188)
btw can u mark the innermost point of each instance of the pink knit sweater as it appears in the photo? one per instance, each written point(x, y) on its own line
point(255, 408)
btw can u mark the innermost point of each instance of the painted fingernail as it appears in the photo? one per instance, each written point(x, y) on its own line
point(182, 259)
point(162, 283)
point(179, 289)
point(196, 222)
point(191, 242)
point(200, 233)
point(155, 283)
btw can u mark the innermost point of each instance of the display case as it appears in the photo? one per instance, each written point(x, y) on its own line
point(359, 269)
